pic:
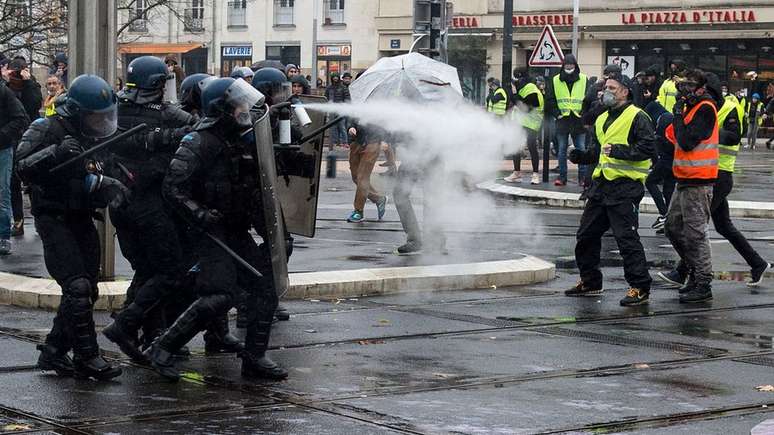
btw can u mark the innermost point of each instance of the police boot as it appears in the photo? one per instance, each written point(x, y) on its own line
point(95, 367)
point(125, 339)
point(255, 363)
point(52, 358)
point(282, 313)
point(219, 340)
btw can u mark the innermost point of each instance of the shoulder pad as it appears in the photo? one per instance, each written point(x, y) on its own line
point(176, 114)
point(191, 140)
point(35, 136)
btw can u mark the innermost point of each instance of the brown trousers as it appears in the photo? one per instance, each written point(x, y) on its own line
point(362, 159)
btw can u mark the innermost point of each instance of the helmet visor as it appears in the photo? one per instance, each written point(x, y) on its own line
point(170, 89)
point(241, 96)
point(99, 124)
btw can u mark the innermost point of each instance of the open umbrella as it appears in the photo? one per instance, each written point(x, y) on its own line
point(409, 76)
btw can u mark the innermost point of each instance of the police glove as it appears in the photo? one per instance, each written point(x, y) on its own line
point(208, 218)
point(107, 190)
point(68, 148)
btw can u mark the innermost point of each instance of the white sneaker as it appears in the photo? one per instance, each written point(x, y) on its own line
point(515, 177)
point(535, 178)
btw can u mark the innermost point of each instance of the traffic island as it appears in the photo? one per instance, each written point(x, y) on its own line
point(45, 294)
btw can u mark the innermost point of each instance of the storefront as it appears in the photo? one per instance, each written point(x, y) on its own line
point(193, 56)
point(333, 59)
point(233, 56)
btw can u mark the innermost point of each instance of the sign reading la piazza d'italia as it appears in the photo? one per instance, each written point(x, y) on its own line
point(688, 16)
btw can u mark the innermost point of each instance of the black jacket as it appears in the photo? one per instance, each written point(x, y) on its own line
point(570, 123)
point(31, 98)
point(13, 119)
point(642, 146)
point(338, 93)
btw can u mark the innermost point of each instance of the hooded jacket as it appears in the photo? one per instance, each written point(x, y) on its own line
point(552, 108)
point(13, 118)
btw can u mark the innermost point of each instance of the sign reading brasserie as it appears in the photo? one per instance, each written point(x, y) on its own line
point(696, 17)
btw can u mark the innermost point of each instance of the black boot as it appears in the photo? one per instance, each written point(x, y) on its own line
point(52, 358)
point(282, 313)
point(255, 363)
point(163, 362)
point(95, 367)
point(125, 341)
point(219, 340)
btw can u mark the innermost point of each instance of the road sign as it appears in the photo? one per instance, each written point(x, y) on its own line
point(547, 51)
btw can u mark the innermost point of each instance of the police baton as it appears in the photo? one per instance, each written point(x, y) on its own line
point(234, 255)
point(100, 147)
point(317, 131)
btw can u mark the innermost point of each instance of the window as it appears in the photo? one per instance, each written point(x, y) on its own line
point(137, 20)
point(284, 53)
point(283, 12)
point(237, 13)
point(334, 11)
point(194, 16)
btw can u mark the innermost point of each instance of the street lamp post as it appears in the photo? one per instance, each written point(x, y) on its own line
point(507, 46)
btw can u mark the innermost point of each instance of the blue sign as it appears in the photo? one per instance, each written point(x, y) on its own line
point(394, 43)
point(238, 51)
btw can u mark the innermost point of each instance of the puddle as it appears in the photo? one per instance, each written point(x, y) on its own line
point(693, 329)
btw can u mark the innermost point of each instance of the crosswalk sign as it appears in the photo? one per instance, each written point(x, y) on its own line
point(547, 51)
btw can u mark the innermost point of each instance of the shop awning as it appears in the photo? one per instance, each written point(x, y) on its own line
point(150, 48)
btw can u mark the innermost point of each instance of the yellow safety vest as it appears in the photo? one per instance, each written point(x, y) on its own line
point(745, 109)
point(499, 107)
point(727, 158)
point(567, 101)
point(758, 108)
point(618, 133)
point(667, 94)
point(534, 118)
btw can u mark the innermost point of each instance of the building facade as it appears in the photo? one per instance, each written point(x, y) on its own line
point(728, 38)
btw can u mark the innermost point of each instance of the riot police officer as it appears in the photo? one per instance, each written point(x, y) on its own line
point(213, 184)
point(63, 204)
point(146, 231)
point(191, 93)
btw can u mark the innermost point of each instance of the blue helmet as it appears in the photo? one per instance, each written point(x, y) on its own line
point(91, 103)
point(147, 73)
point(230, 98)
point(242, 72)
point(191, 90)
point(272, 83)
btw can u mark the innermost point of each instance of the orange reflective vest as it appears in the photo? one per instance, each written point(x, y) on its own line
point(701, 162)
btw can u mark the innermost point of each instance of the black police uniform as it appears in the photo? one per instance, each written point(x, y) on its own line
point(63, 206)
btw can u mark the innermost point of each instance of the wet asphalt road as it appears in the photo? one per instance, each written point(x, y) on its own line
point(506, 360)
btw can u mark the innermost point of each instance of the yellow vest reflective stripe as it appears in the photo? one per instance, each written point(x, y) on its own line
point(727, 158)
point(570, 102)
point(50, 110)
point(534, 118)
point(499, 107)
point(618, 133)
point(667, 94)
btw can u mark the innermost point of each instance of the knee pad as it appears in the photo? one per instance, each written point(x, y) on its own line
point(217, 304)
point(79, 293)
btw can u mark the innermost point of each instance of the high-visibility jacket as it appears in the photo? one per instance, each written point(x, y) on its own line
point(568, 101)
point(499, 107)
point(727, 158)
point(667, 94)
point(700, 163)
point(534, 118)
point(758, 110)
point(745, 108)
point(618, 133)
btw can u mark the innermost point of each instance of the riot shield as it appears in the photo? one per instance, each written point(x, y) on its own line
point(298, 178)
point(272, 209)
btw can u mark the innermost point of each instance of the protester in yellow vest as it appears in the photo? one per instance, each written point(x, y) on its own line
point(730, 137)
point(497, 101)
point(755, 119)
point(667, 94)
point(54, 88)
point(529, 109)
point(564, 101)
point(622, 142)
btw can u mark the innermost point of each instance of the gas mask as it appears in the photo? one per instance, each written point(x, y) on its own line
point(608, 99)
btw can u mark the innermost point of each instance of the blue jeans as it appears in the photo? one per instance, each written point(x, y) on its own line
point(339, 133)
point(6, 213)
point(579, 140)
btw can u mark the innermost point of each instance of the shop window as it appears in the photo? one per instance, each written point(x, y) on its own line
point(284, 53)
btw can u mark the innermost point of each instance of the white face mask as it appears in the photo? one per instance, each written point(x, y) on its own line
point(569, 70)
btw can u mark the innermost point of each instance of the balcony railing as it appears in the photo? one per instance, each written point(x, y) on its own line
point(194, 20)
point(237, 14)
point(138, 25)
point(334, 16)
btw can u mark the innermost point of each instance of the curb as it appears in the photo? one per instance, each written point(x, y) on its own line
point(745, 209)
point(43, 293)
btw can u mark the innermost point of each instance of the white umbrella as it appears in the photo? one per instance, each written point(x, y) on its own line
point(409, 76)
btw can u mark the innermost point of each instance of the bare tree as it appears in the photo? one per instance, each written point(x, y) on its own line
point(135, 14)
point(36, 29)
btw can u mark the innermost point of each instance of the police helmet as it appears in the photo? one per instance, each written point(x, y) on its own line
point(191, 90)
point(230, 98)
point(91, 102)
point(242, 72)
point(147, 73)
point(272, 83)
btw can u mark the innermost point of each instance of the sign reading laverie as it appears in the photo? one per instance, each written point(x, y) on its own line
point(237, 51)
point(547, 50)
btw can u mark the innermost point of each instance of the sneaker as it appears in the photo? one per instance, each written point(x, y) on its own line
point(559, 182)
point(580, 289)
point(355, 217)
point(661, 231)
point(535, 178)
point(635, 297)
point(700, 293)
point(5, 247)
point(689, 285)
point(674, 278)
point(515, 177)
point(17, 229)
point(381, 207)
point(659, 223)
point(757, 275)
point(409, 248)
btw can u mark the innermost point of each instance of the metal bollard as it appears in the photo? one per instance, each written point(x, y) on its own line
point(330, 166)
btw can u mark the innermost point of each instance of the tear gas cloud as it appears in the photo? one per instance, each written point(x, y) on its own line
point(456, 145)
